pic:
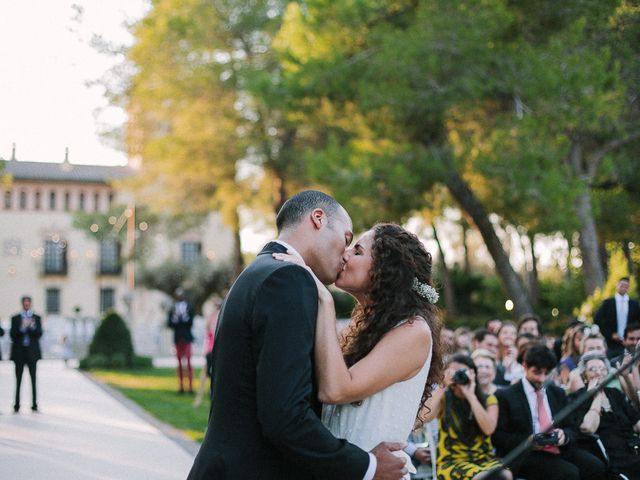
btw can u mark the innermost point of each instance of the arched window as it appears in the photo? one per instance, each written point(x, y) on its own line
point(23, 200)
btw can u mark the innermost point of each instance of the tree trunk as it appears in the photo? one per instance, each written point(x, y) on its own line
point(238, 261)
point(465, 246)
point(534, 281)
point(449, 292)
point(591, 265)
point(593, 271)
point(512, 283)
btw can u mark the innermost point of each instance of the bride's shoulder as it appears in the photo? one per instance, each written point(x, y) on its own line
point(416, 324)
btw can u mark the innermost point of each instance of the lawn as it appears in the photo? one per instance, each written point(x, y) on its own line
point(154, 389)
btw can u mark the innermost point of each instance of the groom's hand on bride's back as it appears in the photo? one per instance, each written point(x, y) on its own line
point(390, 467)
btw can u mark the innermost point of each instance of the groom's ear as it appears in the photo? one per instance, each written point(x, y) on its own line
point(318, 218)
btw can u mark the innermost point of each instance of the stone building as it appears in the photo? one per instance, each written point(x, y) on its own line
point(71, 277)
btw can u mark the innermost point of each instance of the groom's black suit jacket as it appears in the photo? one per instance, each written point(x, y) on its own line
point(264, 420)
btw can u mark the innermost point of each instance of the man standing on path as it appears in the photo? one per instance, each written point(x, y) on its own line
point(26, 330)
point(264, 420)
point(613, 316)
point(181, 321)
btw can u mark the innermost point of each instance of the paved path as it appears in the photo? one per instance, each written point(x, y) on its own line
point(81, 433)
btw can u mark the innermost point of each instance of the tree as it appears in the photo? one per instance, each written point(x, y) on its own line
point(207, 113)
point(395, 72)
point(200, 281)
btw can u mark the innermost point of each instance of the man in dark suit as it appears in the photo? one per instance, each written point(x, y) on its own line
point(26, 330)
point(1, 335)
point(528, 408)
point(613, 316)
point(264, 420)
point(180, 320)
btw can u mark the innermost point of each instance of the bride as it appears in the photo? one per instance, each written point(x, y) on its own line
point(376, 378)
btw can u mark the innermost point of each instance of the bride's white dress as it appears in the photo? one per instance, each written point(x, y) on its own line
point(386, 416)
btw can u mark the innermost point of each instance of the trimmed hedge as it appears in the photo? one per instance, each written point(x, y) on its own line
point(112, 347)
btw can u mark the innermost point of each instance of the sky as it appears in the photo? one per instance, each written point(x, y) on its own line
point(46, 61)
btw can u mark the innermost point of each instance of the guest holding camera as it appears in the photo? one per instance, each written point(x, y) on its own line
point(608, 415)
point(527, 408)
point(467, 418)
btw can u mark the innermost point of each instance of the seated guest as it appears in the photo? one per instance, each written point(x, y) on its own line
point(463, 340)
point(467, 418)
point(631, 377)
point(524, 342)
point(508, 370)
point(483, 338)
point(448, 341)
point(610, 416)
point(507, 335)
point(527, 408)
point(530, 323)
point(486, 365)
point(571, 344)
point(493, 325)
point(421, 448)
point(593, 341)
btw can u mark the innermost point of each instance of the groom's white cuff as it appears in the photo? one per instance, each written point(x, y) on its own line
point(371, 471)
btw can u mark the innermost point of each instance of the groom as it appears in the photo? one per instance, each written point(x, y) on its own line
point(264, 420)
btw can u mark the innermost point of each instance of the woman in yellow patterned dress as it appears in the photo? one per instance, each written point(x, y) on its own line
point(467, 418)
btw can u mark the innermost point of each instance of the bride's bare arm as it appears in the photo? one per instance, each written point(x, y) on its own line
point(398, 356)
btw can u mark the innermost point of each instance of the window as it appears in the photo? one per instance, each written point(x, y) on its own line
point(53, 300)
point(110, 199)
point(52, 200)
point(81, 201)
point(191, 252)
point(96, 202)
point(12, 247)
point(23, 200)
point(55, 257)
point(109, 258)
point(107, 299)
point(67, 201)
point(7, 200)
point(37, 200)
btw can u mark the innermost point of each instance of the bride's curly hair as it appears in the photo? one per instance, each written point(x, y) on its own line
point(399, 257)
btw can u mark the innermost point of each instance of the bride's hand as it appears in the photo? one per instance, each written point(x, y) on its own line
point(323, 292)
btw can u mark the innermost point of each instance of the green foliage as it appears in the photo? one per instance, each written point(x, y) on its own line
point(480, 298)
point(200, 280)
point(154, 389)
point(381, 103)
point(111, 346)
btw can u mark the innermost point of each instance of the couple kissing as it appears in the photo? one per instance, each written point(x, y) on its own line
point(277, 358)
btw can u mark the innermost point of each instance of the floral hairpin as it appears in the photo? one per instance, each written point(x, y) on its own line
point(425, 291)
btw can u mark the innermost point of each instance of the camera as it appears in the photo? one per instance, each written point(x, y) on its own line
point(460, 377)
point(543, 439)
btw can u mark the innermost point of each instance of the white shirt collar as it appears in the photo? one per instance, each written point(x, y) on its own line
point(622, 297)
point(290, 249)
point(528, 388)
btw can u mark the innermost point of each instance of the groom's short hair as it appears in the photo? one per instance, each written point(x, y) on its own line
point(294, 209)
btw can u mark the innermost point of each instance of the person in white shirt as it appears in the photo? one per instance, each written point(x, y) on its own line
point(613, 316)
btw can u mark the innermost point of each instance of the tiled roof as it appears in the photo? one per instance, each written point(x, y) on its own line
point(63, 172)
